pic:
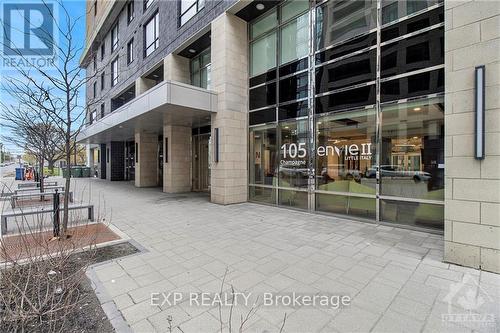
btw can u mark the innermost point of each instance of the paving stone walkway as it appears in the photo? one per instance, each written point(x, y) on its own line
point(395, 277)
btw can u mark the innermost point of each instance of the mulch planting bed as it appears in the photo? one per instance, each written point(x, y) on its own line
point(20, 246)
point(87, 315)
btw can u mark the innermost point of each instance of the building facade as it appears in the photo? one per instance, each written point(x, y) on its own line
point(362, 109)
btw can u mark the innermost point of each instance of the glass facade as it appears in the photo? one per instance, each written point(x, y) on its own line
point(200, 69)
point(347, 117)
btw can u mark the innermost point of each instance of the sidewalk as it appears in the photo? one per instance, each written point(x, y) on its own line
point(394, 277)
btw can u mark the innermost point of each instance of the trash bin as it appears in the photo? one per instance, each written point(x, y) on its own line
point(76, 172)
point(85, 172)
point(64, 173)
point(19, 173)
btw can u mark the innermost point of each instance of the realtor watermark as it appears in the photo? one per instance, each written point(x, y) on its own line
point(248, 299)
point(29, 34)
point(465, 301)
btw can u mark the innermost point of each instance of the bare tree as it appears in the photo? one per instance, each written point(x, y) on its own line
point(57, 93)
point(31, 130)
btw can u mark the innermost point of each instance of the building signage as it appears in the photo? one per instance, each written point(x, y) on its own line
point(349, 152)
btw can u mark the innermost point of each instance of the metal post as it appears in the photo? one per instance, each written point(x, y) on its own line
point(56, 217)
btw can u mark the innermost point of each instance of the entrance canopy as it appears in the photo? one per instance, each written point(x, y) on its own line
point(169, 102)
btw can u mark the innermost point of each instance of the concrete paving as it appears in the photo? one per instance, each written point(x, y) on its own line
point(395, 278)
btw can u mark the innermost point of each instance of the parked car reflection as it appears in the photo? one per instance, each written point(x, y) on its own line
point(394, 171)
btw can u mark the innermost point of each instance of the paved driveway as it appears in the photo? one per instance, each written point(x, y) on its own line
point(394, 278)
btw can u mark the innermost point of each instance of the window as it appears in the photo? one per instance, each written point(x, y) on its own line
point(412, 162)
point(189, 8)
point(151, 35)
point(103, 49)
point(130, 11)
point(338, 21)
point(130, 51)
point(114, 72)
point(264, 24)
point(147, 3)
point(394, 9)
point(114, 37)
point(263, 164)
point(344, 159)
point(263, 54)
point(294, 42)
point(93, 117)
point(95, 7)
point(94, 89)
point(102, 80)
point(94, 61)
point(102, 110)
point(200, 70)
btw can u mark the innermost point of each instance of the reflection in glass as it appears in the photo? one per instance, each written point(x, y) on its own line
point(413, 213)
point(262, 194)
point(296, 199)
point(341, 20)
point(395, 9)
point(351, 46)
point(411, 54)
point(412, 156)
point(293, 110)
point(293, 88)
point(346, 205)
point(267, 22)
point(293, 169)
point(413, 86)
point(262, 96)
point(345, 151)
point(348, 72)
point(263, 155)
point(294, 39)
point(413, 24)
point(262, 116)
point(292, 8)
point(263, 54)
point(346, 99)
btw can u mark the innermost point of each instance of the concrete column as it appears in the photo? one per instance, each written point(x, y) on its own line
point(177, 167)
point(89, 155)
point(142, 85)
point(472, 197)
point(146, 159)
point(230, 80)
point(176, 68)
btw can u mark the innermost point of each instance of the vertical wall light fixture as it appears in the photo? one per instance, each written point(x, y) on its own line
point(216, 144)
point(479, 112)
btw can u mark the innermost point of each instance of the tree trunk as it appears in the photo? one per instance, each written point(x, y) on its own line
point(50, 166)
point(64, 226)
point(40, 174)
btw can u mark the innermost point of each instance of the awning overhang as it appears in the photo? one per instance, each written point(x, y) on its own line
point(169, 103)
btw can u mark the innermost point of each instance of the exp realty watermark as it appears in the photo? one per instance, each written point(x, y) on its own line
point(28, 34)
point(228, 299)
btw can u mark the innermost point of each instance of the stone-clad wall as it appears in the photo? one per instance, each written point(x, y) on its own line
point(146, 171)
point(230, 80)
point(472, 201)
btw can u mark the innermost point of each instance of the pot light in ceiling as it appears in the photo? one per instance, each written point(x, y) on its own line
point(192, 51)
point(417, 109)
point(259, 6)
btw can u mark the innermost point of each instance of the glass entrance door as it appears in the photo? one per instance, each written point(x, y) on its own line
point(201, 164)
point(129, 160)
